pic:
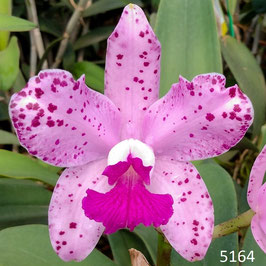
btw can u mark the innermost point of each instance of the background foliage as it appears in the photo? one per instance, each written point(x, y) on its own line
point(196, 37)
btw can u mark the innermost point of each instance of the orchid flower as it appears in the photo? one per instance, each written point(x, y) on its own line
point(127, 151)
point(257, 198)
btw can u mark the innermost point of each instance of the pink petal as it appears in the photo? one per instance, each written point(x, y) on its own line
point(258, 233)
point(62, 121)
point(261, 209)
point(256, 179)
point(132, 68)
point(198, 119)
point(129, 203)
point(73, 235)
point(190, 228)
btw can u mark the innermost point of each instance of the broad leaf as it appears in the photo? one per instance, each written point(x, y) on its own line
point(250, 245)
point(102, 6)
point(188, 35)
point(121, 242)
point(23, 167)
point(9, 65)
point(94, 74)
point(30, 246)
point(92, 37)
point(10, 23)
point(22, 202)
point(8, 138)
point(248, 75)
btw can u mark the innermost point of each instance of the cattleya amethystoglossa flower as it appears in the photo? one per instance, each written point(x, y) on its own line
point(256, 199)
point(126, 151)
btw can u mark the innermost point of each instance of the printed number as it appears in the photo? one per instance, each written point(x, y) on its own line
point(240, 256)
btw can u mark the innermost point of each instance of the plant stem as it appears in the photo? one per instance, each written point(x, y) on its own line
point(72, 23)
point(233, 225)
point(164, 251)
point(36, 34)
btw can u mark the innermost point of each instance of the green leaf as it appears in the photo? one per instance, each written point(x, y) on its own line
point(19, 166)
point(103, 6)
point(22, 202)
point(222, 191)
point(5, 8)
point(9, 66)
point(94, 36)
point(30, 246)
point(150, 238)
point(10, 23)
point(121, 242)
point(19, 82)
point(232, 6)
point(251, 245)
point(94, 74)
point(248, 75)
point(3, 111)
point(263, 137)
point(8, 138)
point(188, 35)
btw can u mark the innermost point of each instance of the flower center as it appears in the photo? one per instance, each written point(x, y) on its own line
point(129, 202)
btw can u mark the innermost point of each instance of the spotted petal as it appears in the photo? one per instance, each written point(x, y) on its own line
point(189, 230)
point(256, 179)
point(132, 68)
point(73, 235)
point(62, 121)
point(258, 233)
point(198, 119)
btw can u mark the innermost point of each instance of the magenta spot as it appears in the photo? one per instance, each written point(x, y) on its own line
point(232, 92)
point(183, 199)
point(197, 254)
point(198, 176)
point(135, 79)
point(38, 92)
point(64, 243)
point(195, 222)
point(191, 135)
point(211, 89)
point(247, 117)
point(22, 116)
point(57, 142)
point(155, 71)
point(232, 115)
point(149, 41)
point(214, 81)
point(35, 122)
point(52, 107)
point(199, 107)
point(37, 80)
point(194, 241)
point(141, 34)
point(237, 108)
point(186, 180)
point(119, 56)
point(145, 98)
point(116, 34)
point(150, 90)
point(210, 117)
point(146, 64)
point(204, 128)
point(22, 93)
point(224, 114)
point(56, 81)
point(70, 110)
point(141, 81)
point(73, 225)
point(50, 123)
point(192, 93)
point(119, 64)
point(58, 247)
